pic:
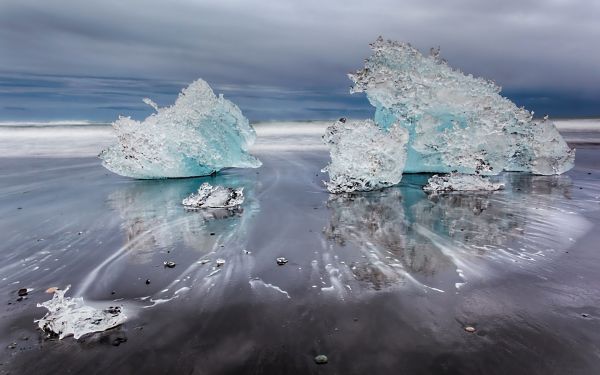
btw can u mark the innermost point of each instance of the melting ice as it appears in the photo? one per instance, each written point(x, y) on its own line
point(200, 134)
point(364, 156)
point(455, 122)
point(209, 196)
point(460, 182)
point(70, 316)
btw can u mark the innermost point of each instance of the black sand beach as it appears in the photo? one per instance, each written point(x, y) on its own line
point(382, 282)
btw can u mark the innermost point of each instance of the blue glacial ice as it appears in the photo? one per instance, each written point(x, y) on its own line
point(200, 134)
point(455, 122)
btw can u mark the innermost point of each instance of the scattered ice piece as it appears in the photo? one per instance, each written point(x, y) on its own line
point(364, 156)
point(200, 134)
point(220, 262)
point(70, 316)
point(456, 122)
point(281, 261)
point(460, 182)
point(209, 196)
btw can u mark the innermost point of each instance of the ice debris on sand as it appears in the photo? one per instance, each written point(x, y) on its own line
point(209, 196)
point(455, 123)
point(460, 182)
point(200, 134)
point(364, 156)
point(70, 316)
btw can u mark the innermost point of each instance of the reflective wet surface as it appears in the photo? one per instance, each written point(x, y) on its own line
point(382, 282)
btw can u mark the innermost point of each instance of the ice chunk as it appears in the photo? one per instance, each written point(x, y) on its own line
point(460, 182)
point(209, 196)
point(200, 134)
point(456, 122)
point(364, 156)
point(70, 316)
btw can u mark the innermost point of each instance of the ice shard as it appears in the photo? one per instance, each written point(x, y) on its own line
point(364, 156)
point(200, 134)
point(455, 122)
point(209, 196)
point(71, 316)
point(460, 182)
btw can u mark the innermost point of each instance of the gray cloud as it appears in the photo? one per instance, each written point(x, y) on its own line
point(308, 45)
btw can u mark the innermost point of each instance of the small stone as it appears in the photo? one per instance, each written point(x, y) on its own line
point(247, 252)
point(321, 359)
point(470, 329)
point(119, 340)
point(80, 233)
point(22, 292)
point(281, 261)
point(212, 233)
point(51, 290)
point(220, 262)
point(169, 264)
point(12, 345)
point(585, 315)
point(20, 299)
point(147, 282)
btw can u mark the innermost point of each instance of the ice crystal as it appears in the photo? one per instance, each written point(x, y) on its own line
point(209, 196)
point(200, 134)
point(455, 122)
point(364, 156)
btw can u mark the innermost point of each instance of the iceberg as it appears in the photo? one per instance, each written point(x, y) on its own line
point(198, 135)
point(364, 156)
point(455, 122)
point(71, 316)
point(209, 196)
point(460, 182)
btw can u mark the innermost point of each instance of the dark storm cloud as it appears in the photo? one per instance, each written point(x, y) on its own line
point(290, 50)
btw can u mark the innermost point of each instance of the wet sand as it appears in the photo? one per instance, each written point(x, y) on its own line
point(382, 282)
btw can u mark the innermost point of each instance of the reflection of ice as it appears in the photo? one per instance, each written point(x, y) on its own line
point(444, 240)
point(158, 226)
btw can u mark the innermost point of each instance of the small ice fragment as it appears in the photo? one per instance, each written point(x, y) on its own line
point(209, 196)
point(70, 316)
point(321, 359)
point(220, 262)
point(281, 261)
point(151, 103)
point(200, 134)
point(364, 156)
point(460, 182)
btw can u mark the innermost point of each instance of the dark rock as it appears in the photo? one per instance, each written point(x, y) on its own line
point(22, 292)
point(281, 261)
point(170, 264)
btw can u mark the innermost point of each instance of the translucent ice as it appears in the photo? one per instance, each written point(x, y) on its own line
point(456, 122)
point(460, 182)
point(200, 134)
point(364, 156)
point(70, 316)
point(209, 196)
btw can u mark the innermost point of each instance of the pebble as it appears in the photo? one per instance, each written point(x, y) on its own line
point(321, 359)
point(220, 262)
point(470, 329)
point(281, 261)
point(585, 315)
point(51, 290)
point(170, 264)
point(147, 282)
point(22, 292)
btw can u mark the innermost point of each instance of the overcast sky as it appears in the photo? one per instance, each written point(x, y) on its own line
point(282, 60)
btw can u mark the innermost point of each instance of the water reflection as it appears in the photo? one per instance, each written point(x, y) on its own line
point(404, 236)
point(156, 228)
